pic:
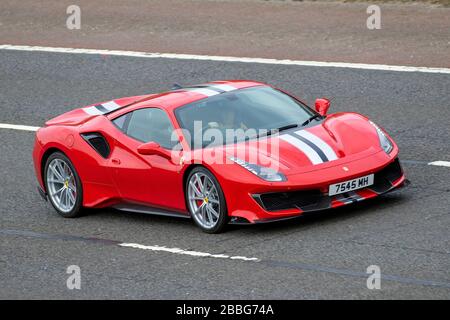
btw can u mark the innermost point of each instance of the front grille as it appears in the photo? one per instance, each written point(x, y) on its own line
point(289, 200)
point(310, 200)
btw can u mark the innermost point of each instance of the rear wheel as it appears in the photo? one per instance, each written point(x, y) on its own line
point(63, 185)
point(206, 201)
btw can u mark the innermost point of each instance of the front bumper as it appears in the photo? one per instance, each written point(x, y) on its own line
point(312, 200)
point(341, 202)
point(290, 203)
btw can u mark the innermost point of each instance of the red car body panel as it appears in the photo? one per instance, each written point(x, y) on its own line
point(126, 176)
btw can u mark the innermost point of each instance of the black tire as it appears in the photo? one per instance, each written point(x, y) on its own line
point(223, 212)
point(77, 209)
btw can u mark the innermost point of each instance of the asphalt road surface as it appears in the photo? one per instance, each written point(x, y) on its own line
point(326, 255)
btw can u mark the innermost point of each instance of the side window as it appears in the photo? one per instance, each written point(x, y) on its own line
point(150, 124)
point(121, 121)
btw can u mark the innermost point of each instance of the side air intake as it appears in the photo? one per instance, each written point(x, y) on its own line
point(98, 142)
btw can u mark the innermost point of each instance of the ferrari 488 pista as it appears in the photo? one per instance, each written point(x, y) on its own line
point(225, 151)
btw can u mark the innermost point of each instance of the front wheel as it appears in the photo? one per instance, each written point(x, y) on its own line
point(63, 185)
point(206, 201)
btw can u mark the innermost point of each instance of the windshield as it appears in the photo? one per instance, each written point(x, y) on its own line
point(246, 111)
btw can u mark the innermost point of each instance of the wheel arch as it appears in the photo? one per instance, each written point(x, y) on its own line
point(186, 175)
point(223, 217)
point(191, 167)
point(45, 157)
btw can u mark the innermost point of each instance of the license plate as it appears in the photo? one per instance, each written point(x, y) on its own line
point(350, 185)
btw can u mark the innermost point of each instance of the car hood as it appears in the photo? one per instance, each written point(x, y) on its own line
point(339, 139)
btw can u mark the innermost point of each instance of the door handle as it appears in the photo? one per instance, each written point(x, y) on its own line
point(115, 161)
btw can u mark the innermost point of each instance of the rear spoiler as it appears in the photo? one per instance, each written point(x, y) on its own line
point(114, 105)
point(81, 115)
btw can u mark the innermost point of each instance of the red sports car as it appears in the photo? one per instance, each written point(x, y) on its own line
point(226, 151)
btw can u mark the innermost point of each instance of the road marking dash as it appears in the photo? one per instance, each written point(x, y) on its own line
point(180, 56)
point(440, 163)
point(18, 127)
point(186, 252)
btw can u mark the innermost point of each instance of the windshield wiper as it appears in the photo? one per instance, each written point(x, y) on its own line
point(287, 127)
point(311, 119)
point(272, 131)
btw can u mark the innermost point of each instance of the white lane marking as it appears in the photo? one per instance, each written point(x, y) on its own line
point(440, 163)
point(379, 67)
point(331, 155)
point(17, 127)
point(303, 147)
point(185, 252)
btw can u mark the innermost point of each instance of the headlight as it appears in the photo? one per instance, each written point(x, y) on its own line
point(384, 141)
point(265, 173)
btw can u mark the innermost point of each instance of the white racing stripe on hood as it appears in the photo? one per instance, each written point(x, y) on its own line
point(303, 147)
point(322, 145)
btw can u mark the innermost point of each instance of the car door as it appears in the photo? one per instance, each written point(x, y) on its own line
point(150, 180)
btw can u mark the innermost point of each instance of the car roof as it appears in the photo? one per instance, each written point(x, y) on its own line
point(173, 99)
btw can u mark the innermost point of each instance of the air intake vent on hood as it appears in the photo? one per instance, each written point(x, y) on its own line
point(98, 142)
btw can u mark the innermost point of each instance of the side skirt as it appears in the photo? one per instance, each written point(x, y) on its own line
point(161, 212)
point(148, 210)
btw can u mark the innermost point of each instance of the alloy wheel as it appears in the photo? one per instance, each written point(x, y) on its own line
point(61, 185)
point(203, 199)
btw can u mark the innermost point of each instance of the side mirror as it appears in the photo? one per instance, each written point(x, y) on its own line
point(153, 148)
point(322, 106)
